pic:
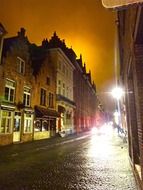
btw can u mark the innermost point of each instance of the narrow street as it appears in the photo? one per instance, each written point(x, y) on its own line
point(96, 162)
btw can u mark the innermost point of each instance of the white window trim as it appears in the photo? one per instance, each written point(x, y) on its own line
point(27, 93)
point(30, 119)
point(19, 66)
point(11, 122)
point(10, 87)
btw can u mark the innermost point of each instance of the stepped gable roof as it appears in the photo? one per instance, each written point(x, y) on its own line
point(79, 61)
point(89, 76)
point(8, 42)
point(56, 42)
point(84, 69)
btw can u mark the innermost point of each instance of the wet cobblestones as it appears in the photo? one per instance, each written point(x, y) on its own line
point(96, 163)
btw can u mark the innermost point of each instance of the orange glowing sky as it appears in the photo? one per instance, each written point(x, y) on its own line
point(84, 24)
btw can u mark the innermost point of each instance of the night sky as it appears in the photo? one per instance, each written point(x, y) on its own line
point(84, 24)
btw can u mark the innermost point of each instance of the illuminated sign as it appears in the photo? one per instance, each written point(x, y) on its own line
point(119, 3)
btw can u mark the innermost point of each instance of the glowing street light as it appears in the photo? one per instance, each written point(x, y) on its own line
point(117, 93)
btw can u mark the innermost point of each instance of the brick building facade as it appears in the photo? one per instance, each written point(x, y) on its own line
point(84, 96)
point(16, 123)
point(44, 93)
point(130, 30)
point(43, 90)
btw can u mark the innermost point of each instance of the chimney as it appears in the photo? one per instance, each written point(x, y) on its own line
point(22, 32)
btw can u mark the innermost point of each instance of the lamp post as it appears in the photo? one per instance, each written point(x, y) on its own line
point(117, 93)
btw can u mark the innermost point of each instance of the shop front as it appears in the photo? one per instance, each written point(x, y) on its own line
point(6, 124)
point(45, 123)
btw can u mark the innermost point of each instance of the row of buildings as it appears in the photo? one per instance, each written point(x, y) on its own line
point(130, 35)
point(44, 90)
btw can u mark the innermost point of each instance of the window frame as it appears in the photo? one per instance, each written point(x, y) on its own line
point(20, 66)
point(26, 121)
point(6, 122)
point(10, 87)
point(51, 100)
point(43, 97)
point(27, 94)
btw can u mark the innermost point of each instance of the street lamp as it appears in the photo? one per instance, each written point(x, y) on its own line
point(117, 93)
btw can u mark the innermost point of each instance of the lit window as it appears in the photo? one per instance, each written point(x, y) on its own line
point(6, 121)
point(26, 96)
point(38, 126)
point(43, 97)
point(28, 123)
point(44, 126)
point(9, 90)
point(20, 65)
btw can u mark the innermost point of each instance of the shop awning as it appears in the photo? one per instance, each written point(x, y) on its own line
point(44, 112)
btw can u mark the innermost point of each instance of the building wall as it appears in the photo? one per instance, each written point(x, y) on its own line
point(13, 49)
point(84, 97)
point(64, 88)
point(131, 48)
point(45, 79)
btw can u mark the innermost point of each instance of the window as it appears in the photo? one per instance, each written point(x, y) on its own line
point(43, 97)
point(51, 100)
point(6, 121)
point(28, 123)
point(44, 126)
point(26, 96)
point(20, 65)
point(63, 89)
point(48, 81)
point(59, 87)
point(9, 90)
point(41, 125)
point(38, 126)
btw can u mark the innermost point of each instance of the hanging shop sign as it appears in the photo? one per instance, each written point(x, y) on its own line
point(113, 4)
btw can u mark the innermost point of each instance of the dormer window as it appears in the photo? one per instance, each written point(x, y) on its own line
point(20, 65)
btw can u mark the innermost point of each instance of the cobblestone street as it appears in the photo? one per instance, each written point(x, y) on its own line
point(96, 162)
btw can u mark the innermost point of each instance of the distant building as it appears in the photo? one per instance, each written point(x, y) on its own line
point(84, 97)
